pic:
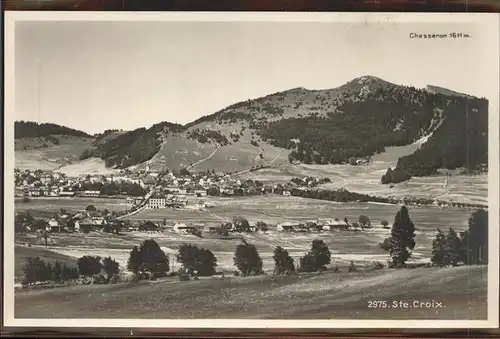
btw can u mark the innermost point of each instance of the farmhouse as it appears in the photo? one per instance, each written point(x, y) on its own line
point(66, 194)
point(90, 193)
point(90, 224)
point(183, 228)
point(328, 225)
point(288, 227)
point(53, 225)
point(149, 226)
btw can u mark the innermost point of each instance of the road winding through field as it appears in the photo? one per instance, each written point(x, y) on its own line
point(205, 159)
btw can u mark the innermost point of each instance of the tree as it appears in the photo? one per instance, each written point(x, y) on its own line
point(241, 224)
point(317, 258)
point(184, 172)
point(464, 248)
point(213, 191)
point(90, 208)
point(387, 177)
point(438, 249)
point(110, 267)
point(385, 224)
point(452, 248)
point(33, 270)
point(57, 272)
point(207, 263)
point(478, 237)
point(188, 256)
point(46, 272)
point(247, 259)
point(364, 221)
point(262, 226)
point(67, 273)
point(402, 239)
point(152, 258)
point(89, 266)
point(41, 225)
point(283, 263)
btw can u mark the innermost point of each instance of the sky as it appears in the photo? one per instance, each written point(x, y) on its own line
point(96, 75)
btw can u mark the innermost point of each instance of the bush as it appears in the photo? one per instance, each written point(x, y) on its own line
point(236, 273)
point(378, 265)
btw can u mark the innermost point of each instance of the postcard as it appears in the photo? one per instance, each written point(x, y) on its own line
point(251, 170)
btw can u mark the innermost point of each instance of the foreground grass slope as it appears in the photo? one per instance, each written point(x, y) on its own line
point(462, 291)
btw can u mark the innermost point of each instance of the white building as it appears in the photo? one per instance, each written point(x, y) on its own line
point(157, 201)
point(328, 225)
point(91, 193)
point(183, 228)
point(287, 226)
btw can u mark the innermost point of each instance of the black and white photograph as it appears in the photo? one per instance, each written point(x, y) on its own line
point(251, 169)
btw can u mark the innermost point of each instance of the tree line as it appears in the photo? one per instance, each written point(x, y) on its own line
point(470, 248)
point(37, 270)
point(23, 129)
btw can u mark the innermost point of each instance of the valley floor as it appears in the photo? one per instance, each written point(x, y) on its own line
point(461, 290)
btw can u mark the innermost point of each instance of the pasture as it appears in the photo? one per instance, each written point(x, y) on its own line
point(461, 290)
point(366, 179)
point(362, 247)
point(45, 206)
point(51, 158)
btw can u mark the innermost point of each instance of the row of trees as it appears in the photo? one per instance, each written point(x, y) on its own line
point(36, 270)
point(470, 248)
point(343, 195)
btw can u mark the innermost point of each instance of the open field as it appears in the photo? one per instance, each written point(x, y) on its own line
point(50, 158)
point(88, 166)
point(362, 247)
point(50, 205)
point(461, 290)
point(366, 179)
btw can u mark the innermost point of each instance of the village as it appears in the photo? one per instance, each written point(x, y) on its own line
point(150, 190)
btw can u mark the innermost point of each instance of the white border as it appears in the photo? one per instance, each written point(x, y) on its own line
point(491, 29)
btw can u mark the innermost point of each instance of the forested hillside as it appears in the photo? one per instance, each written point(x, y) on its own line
point(461, 140)
point(131, 148)
point(389, 116)
point(329, 126)
point(29, 129)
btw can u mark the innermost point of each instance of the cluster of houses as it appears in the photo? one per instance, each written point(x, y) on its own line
point(40, 183)
point(313, 226)
point(53, 184)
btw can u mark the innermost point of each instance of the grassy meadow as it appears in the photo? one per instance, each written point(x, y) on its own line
point(309, 296)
